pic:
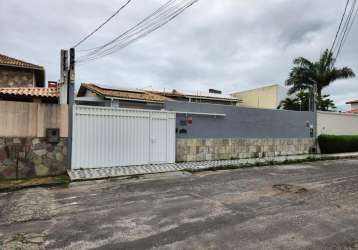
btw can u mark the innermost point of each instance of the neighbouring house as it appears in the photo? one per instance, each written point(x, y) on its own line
point(354, 107)
point(268, 97)
point(210, 97)
point(35, 94)
point(94, 95)
point(24, 82)
point(18, 73)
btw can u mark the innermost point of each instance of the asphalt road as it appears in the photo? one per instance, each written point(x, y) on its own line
point(241, 209)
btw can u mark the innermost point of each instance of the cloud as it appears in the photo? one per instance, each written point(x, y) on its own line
point(230, 45)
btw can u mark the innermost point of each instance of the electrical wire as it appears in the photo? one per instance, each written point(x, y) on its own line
point(157, 14)
point(157, 19)
point(340, 26)
point(140, 29)
point(348, 27)
point(103, 24)
point(136, 36)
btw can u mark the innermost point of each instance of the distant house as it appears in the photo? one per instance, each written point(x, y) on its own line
point(354, 106)
point(25, 82)
point(17, 73)
point(210, 97)
point(268, 97)
point(91, 94)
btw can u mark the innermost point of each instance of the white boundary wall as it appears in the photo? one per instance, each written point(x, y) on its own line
point(110, 137)
point(337, 123)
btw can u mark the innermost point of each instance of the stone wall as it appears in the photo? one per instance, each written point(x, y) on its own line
point(225, 149)
point(16, 77)
point(22, 158)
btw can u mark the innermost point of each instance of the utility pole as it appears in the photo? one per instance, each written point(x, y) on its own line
point(71, 101)
point(315, 132)
point(63, 77)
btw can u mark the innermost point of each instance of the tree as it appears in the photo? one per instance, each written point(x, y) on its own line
point(305, 74)
point(301, 102)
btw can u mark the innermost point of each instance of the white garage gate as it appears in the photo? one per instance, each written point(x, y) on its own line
point(110, 137)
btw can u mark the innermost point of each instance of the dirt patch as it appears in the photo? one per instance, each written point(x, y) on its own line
point(25, 241)
point(12, 185)
point(353, 246)
point(287, 188)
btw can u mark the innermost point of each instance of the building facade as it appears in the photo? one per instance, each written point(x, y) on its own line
point(17, 73)
point(94, 95)
point(268, 97)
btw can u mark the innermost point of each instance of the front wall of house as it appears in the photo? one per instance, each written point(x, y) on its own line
point(14, 77)
point(29, 157)
point(354, 106)
point(189, 150)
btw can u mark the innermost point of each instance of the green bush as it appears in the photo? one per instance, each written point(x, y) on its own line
point(331, 144)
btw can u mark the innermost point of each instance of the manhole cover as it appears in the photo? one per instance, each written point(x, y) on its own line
point(287, 188)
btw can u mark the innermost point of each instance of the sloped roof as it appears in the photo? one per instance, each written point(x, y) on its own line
point(353, 102)
point(30, 92)
point(12, 62)
point(199, 95)
point(135, 95)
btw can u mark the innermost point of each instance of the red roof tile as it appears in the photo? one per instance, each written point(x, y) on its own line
point(9, 61)
point(352, 102)
point(121, 93)
point(30, 92)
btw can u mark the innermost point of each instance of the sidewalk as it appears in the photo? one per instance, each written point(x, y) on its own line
point(102, 173)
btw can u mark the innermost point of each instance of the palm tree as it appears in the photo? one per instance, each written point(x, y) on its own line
point(305, 74)
point(301, 102)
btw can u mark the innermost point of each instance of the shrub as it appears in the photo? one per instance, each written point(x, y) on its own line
point(331, 144)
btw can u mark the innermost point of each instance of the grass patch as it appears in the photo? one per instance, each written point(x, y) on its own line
point(10, 185)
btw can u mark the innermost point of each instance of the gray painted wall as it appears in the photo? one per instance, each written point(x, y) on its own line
point(240, 122)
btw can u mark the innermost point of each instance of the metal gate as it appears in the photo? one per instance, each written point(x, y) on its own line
point(109, 137)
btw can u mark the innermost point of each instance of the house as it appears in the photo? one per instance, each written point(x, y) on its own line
point(354, 106)
point(210, 97)
point(23, 94)
point(267, 97)
point(18, 73)
point(24, 82)
point(94, 95)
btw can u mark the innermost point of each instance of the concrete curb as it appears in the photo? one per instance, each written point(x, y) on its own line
point(105, 173)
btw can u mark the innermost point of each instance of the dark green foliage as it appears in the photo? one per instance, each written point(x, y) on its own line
point(301, 102)
point(331, 144)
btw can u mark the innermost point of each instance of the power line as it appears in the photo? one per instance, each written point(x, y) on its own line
point(124, 42)
point(157, 19)
point(347, 27)
point(340, 26)
point(160, 17)
point(155, 15)
point(103, 24)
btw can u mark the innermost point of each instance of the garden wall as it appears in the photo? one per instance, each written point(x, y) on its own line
point(25, 152)
point(221, 132)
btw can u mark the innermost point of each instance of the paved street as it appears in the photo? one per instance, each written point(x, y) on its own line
point(304, 206)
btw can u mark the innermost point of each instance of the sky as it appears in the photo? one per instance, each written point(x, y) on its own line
point(230, 45)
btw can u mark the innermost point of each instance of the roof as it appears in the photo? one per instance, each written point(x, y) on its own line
point(353, 102)
point(30, 92)
point(199, 95)
point(12, 62)
point(208, 95)
point(126, 94)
